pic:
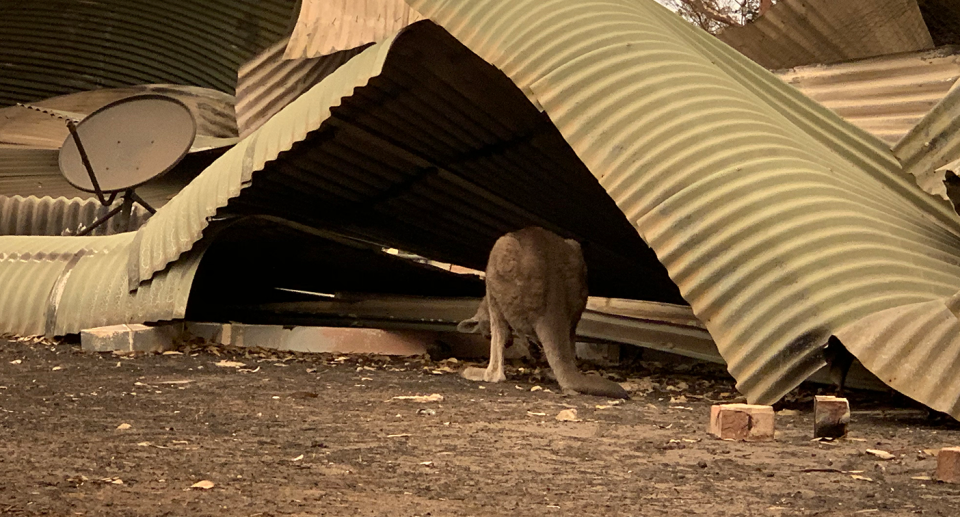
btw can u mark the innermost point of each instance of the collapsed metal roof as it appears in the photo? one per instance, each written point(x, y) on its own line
point(781, 223)
point(55, 47)
point(803, 32)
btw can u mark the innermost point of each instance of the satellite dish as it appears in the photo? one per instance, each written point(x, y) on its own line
point(128, 142)
point(124, 145)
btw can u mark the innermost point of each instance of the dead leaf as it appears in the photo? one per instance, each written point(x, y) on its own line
point(568, 415)
point(788, 412)
point(678, 400)
point(922, 478)
point(536, 388)
point(229, 364)
point(16, 361)
point(436, 397)
point(175, 382)
point(883, 455)
point(248, 370)
point(531, 413)
point(862, 478)
point(123, 427)
point(402, 435)
point(426, 412)
point(298, 458)
point(56, 368)
point(203, 485)
point(172, 352)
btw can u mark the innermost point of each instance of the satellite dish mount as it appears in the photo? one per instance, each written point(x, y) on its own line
point(131, 141)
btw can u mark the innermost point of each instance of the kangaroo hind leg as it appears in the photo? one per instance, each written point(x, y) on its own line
point(500, 337)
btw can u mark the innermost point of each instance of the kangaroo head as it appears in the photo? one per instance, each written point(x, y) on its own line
point(479, 323)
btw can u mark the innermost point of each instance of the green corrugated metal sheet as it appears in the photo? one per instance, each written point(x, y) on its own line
point(780, 222)
point(54, 47)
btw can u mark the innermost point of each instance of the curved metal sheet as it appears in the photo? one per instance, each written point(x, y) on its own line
point(780, 222)
point(213, 112)
point(801, 32)
point(56, 47)
point(59, 216)
point(268, 82)
point(328, 26)
point(921, 340)
point(61, 285)
point(933, 143)
point(173, 231)
point(885, 96)
point(27, 285)
point(96, 293)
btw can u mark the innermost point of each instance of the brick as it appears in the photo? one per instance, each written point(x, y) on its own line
point(130, 338)
point(830, 416)
point(948, 465)
point(742, 422)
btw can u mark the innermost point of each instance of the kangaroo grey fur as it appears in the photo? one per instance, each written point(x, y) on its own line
point(537, 288)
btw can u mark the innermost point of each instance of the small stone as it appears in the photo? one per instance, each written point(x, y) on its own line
point(702, 464)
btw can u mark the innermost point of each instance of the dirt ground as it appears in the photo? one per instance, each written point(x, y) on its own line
point(98, 434)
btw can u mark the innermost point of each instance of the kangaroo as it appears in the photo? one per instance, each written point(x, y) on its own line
point(537, 288)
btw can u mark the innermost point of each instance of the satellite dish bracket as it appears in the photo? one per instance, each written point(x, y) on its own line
point(173, 151)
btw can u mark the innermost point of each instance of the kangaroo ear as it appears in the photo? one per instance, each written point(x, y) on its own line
point(470, 326)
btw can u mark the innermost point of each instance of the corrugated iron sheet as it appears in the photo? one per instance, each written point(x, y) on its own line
point(803, 32)
point(933, 143)
point(35, 172)
point(96, 294)
point(56, 47)
point(60, 216)
point(932, 331)
point(28, 171)
point(328, 26)
point(173, 231)
point(60, 285)
point(780, 222)
point(886, 96)
point(268, 82)
point(212, 110)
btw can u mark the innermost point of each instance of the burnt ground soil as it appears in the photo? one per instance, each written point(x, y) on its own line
point(287, 434)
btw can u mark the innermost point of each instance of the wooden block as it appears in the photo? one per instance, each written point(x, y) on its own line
point(948, 465)
point(830, 417)
point(742, 422)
